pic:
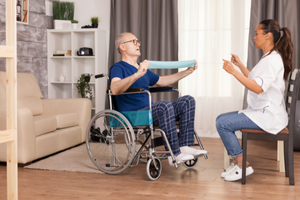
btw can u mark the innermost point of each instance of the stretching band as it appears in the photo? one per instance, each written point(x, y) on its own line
point(171, 64)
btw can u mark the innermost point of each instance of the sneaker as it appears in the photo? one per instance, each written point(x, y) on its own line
point(180, 158)
point(228, 170)
point(192, 151)
point(236, 173)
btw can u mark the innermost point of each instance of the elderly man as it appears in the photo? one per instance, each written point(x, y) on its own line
point(130, 74)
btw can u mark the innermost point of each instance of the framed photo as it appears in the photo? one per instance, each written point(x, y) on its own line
point(22, 11)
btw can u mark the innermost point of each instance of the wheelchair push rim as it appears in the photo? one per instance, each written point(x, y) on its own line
point(110, 148)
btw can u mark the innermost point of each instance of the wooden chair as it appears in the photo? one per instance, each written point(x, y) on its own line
point(286, 134)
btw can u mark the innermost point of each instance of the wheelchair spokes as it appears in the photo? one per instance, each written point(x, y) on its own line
point(111, 149)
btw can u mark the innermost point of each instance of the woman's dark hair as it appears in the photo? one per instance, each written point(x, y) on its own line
point(282, 44)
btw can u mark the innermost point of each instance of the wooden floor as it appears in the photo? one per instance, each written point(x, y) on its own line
point(202, 182)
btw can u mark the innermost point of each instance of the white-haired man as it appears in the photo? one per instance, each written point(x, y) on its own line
point(128, 73)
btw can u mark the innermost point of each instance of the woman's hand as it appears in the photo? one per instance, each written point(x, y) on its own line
point(236, 60)
point(228, 67)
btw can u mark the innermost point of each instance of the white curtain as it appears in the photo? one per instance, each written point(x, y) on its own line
point(209, 31)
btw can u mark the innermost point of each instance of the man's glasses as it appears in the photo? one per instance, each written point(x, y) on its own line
point(135, 42)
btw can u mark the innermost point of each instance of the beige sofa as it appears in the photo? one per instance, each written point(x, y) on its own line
point(45, 126)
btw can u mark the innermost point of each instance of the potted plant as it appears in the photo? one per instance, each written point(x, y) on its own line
point(74, 23)
point(83, 86)
point(95, 21)
point(63, 12)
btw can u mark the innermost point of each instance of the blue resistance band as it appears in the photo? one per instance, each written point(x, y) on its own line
point(171, 64)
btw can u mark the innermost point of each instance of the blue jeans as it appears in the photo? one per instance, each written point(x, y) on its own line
point(227, 124)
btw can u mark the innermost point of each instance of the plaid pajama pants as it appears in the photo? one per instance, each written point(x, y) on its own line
point(165, 114)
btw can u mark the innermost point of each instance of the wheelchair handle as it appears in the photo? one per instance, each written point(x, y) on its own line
point(101, 75)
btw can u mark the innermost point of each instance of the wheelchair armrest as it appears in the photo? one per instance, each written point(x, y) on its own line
point(162, 89)
point(101, 75)
point(134, 90)
point(130, 90)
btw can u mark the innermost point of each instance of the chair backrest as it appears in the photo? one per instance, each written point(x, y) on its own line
point(291, 99)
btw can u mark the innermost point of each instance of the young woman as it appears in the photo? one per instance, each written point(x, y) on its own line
point(266, 84)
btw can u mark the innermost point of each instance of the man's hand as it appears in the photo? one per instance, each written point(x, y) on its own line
point(192, 69)
point(173, 78)
point(143, 68)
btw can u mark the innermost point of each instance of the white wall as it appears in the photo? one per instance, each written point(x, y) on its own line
point(85, 9)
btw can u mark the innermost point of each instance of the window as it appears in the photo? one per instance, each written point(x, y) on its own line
point(209, 31)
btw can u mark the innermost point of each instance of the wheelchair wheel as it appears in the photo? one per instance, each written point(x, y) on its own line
point(154, 169)
point(190, 163)
point(110, 141)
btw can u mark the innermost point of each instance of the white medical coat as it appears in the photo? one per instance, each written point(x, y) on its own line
point(267, 109)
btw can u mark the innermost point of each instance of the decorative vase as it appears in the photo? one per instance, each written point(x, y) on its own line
point(62, 78)
point(95, 25)
point(74, 25)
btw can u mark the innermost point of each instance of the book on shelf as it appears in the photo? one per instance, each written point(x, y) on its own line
point(62, 53)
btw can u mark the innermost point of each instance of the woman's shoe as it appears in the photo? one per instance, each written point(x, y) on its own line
point(228, 170)
point(236, 173)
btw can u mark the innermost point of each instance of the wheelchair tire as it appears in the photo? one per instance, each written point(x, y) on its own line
point(153, 172)
point(114, 149)
point(190, 163)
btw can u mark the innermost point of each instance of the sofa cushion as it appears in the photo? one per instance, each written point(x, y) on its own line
point(34, 104)
point(66, 120)
point(29, 94)
point(44, 124)
point(27, 85)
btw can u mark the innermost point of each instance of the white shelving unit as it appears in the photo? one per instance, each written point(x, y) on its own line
point(73, 66)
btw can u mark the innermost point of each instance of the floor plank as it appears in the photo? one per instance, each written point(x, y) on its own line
point(202, 182)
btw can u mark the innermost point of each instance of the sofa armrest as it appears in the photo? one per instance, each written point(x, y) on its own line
point(81, 106)
point(26, 135)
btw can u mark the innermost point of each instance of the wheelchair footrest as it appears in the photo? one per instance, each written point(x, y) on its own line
point(156, 142)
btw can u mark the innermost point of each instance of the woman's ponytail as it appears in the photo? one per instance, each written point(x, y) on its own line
point(285, 47)
point(282, 44)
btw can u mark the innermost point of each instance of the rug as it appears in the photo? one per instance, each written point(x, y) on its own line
point(73, 160)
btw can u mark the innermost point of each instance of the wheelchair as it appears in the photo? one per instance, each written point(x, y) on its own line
point(116, 140)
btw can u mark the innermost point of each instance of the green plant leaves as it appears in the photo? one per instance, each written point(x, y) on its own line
point(83, 86)
point(63, 10)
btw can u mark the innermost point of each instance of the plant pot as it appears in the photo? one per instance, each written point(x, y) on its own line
point(62, 24)
point(87, 79)
point(74, 25)
point(95, 25)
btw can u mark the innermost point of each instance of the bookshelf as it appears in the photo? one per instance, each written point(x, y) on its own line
point(71, 67)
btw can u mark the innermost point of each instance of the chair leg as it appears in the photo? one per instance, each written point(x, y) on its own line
point(291, 162)
point(286, 158)
point(244, 144)
point(280, 155)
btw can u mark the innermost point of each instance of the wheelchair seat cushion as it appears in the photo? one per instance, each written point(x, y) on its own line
point(136, 118)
